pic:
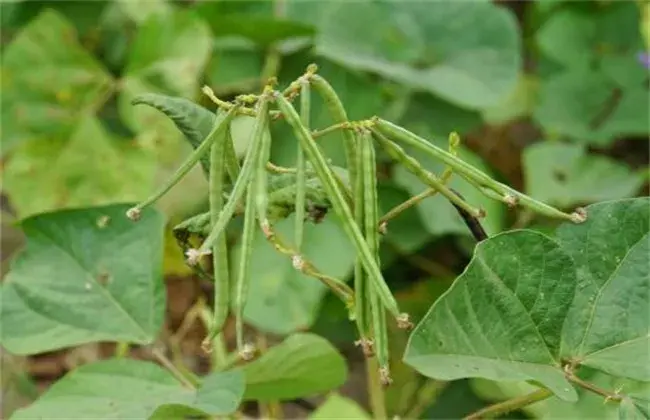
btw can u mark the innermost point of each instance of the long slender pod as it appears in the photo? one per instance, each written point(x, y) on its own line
point(467, 171)
point(362, 301)
point(231, 161)
point(221, 124)
point(301, 174)
point(341, 207)
point(338, 114)
point(243, 274)
point(238, 190)
point(220, 249)
point(413, 166)
point(371, 217)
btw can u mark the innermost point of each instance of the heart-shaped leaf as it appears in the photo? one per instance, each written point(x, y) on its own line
point(123, 388)
point(608, 327)
point(527, 304)
point(48, 81)
point(85, 275)
point(302, 365)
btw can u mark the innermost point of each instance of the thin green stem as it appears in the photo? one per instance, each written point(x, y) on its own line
point(185, 379)
point(228, 106)
point(376, 394)
point(609, 396)
point(301, 168)
point(346, 125)
point(122, 349)
point(510, 405)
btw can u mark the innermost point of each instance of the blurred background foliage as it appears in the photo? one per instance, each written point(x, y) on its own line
point(548, 96)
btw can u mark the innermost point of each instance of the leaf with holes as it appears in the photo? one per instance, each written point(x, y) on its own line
point(563, 175)
point(528, 303)
point(48, 81)
point(301, 366)
point(85, 275)
point(123, 388)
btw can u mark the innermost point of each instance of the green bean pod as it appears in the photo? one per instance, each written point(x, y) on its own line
point(301, 170)
point(220, 249)
point(245, 176)
point(469, 172)
point(413, 166)
point(339, 204)
point(371, 218)
point(220, 126)
point(362, 301)
point(243, 274)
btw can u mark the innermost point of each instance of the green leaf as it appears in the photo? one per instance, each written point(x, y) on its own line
point(437, 214)
point(262, 30)
point(281, 299)
point(85, 276)
point(88, 168)
point(502, 318)
point(608, 325)
point(339, 407)
point(301, 366)
point(576, 35)
point(48, 82)
point(563, 175)
point(235, 67)
point(427, 46)
point(527, 303)
point(593, 107)
point(168, 55)
point(123, 388)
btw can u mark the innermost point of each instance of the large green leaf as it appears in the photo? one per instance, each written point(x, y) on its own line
point(88, 168)
point(303, 365)
point(123, 388)
point(592, 106)
point(427, 46)
point(527, 303)
point(168, 55)
point(502, 318)
point(564, 175)
point(339, 407)
point(85, 275)
point(282, 300)
point(608, 327)
point(235, 66)
point(48, 82)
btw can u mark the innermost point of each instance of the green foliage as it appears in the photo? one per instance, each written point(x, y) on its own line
point(74, 148)
point(302, 365)
point(86, 275)
point(135, 389)
point(528, 303)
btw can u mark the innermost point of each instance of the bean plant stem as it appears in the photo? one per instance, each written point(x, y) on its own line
point(376, 393)
point(513, 404)
point(186, 380)
point(609, 396)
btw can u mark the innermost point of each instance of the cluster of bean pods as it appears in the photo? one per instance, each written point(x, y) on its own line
point(370, 301)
